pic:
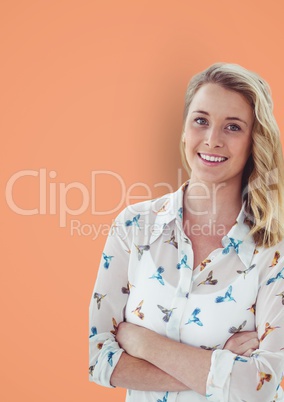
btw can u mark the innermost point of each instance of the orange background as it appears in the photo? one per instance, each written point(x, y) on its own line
point(88, 86)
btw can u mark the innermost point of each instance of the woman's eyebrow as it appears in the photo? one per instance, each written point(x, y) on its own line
point(200, 111)
point(236, 118)
point(227, 118)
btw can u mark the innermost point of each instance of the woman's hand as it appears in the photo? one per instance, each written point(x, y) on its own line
point(132, 338)
point(243, 343)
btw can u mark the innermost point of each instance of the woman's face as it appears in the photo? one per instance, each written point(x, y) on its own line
point(218, 135)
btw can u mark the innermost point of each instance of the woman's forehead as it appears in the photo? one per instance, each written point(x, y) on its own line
point(215, 98)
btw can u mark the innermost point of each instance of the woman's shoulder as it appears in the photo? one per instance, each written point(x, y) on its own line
point(269, 260)
point(149, 210)
point(276, 248)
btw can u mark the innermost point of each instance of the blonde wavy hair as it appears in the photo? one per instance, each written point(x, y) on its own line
point(262, 181)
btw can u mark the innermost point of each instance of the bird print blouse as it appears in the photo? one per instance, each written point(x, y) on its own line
point(146, 277)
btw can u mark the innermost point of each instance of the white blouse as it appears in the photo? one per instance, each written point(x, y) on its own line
point(146, 277)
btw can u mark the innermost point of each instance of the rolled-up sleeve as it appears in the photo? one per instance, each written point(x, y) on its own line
point(107, 305)
point(258, 377)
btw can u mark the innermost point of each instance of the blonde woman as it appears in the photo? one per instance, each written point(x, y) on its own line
point(189, 300)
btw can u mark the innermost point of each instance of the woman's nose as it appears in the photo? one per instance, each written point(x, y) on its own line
point(213, 137)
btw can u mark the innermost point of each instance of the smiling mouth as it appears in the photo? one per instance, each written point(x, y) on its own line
point(210, 158)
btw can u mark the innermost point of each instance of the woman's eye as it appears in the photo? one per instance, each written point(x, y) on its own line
point(234, 127)
point(201, 121)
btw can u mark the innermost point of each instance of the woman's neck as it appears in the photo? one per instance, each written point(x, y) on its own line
point(210, 201)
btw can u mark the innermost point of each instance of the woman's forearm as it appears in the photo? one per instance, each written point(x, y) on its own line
point(185, 363)
point(186, 366)
point(137, 374)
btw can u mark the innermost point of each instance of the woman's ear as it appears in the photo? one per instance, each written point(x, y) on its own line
point(183, 137)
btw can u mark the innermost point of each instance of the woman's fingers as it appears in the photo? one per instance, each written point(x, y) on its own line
point(243, 343)
point(246, 348)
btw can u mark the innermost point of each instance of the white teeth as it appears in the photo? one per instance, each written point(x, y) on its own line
point(212, 158)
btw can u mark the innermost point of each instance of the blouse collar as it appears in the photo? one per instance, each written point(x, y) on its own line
point(170, 207)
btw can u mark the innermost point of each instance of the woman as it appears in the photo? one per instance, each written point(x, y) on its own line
point(188, 303)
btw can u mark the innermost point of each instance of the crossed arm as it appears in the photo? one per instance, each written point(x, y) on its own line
point(144, 360)
point(154, 362)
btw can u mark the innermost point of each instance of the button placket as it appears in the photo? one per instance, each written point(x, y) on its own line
point(184, 270)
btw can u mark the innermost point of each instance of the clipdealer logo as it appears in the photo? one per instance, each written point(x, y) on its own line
point(52, 196)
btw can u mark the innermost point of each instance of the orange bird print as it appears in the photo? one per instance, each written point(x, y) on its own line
point(204, 263)
point(115, 326)
point(252, 308)
point(263, 377)
point(267, 331)
point(275, 259)
point(163, 208)
point(113, 226)
point(138, 312)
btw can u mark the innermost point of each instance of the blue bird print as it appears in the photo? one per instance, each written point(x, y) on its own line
point(228, 296)
point(157, 275)
point(133, 222)
point(280, 275)
point(240, 359)
point(180, 211)
point(165, 398)
point(94, 332)
point(183, 263)
point(194, 318)
point(109, 358)
point(255, 355)
point(107, 259)
point(233, 244)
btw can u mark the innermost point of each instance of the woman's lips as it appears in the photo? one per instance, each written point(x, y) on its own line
point(212, 158)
